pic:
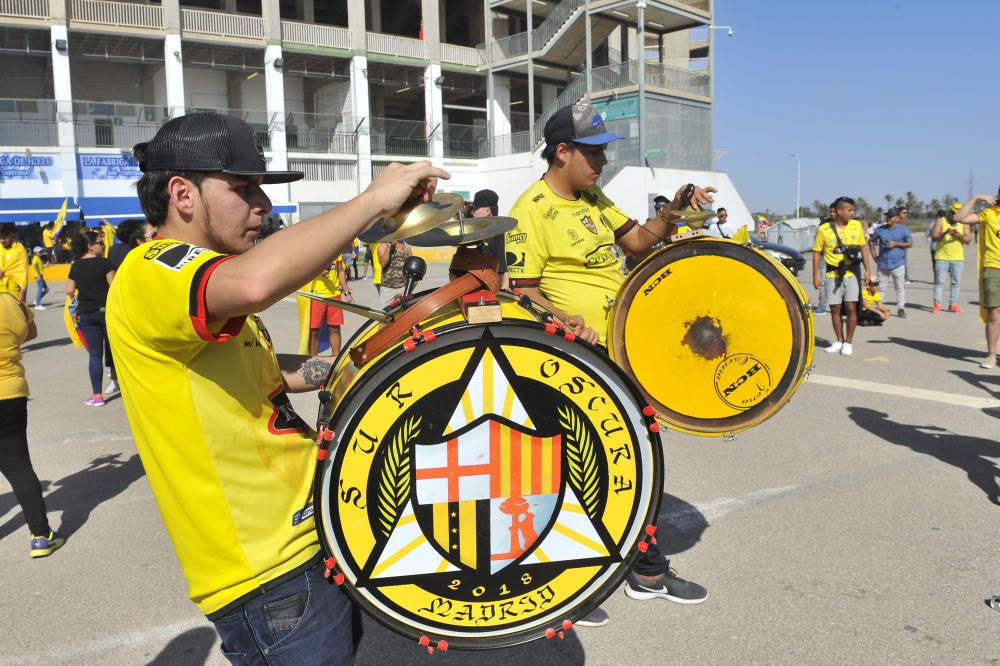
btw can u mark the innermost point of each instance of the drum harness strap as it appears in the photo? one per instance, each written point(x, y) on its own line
point(846, 265)
point(478, 274)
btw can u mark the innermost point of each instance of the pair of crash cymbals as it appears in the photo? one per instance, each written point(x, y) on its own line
point(434, 223)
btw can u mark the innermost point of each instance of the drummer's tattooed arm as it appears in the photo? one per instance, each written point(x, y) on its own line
point(303, 373)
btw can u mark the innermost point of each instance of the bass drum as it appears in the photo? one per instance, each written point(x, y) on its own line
point(486, 485)
point(717, 334)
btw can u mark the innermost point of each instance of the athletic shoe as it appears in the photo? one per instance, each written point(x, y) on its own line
point(669, 586)
point(96, 400)
point(43, 546)
point(901, 313)
point(834, 348)
point(935, 309)
point(820, 311)
point(988, 363)
point(955, 308)
point(907, 282)
point(595, 618)
point(40, 307)
point(112, 388)
point(994, 602)
point(847, 349)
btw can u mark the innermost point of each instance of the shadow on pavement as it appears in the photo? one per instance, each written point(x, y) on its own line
point(382, 647)
point(934, 349)
point(78, 494)
point(189, 649)
point(970, 454)
point(679, 527)
point(35, 346)
point(986, 383)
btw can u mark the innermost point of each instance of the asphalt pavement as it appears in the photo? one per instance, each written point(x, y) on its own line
point(854, 527)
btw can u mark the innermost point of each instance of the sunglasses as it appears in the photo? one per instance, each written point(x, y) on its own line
point(660, 205)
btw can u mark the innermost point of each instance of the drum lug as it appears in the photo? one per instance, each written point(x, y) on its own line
point(728, 437)
point(419, 337)
point(425, 641)
point(561, 633)
point(329, 564)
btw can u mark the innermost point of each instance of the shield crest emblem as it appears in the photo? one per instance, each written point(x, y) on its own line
point(485, 494)
point(589, 224)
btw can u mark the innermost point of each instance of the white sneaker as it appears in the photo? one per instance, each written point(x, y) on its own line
point(834, 348)
point(847, 349)
point(112, 388)
point(40, 307)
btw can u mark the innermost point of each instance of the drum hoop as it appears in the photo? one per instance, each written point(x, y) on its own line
point(535, 630)
point(801, 335)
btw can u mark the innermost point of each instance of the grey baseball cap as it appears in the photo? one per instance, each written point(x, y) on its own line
point(578, 123)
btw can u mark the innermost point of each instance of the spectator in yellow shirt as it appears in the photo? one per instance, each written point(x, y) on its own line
point(873, 312)
point(38, 271)
point(950, 239)
point(331, 283)
point(989, 267)
point(13, 263)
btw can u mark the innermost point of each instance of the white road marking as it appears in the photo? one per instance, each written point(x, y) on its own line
point(134, 639)
point(954, 399)
point(693, 516)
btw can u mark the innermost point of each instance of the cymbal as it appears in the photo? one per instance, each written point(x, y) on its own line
point(463, 231)
point(413, 219)
point(692, 217)
point(364, 311)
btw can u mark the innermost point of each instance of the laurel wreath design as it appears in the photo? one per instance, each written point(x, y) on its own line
point(394, 479)
point(582, 460)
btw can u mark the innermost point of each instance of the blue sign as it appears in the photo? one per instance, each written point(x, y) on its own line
point(23, 166)
point(108, 167)
point(618, 109)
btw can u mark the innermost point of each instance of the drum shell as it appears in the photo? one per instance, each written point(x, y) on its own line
point(753, 274)
point(372, 378)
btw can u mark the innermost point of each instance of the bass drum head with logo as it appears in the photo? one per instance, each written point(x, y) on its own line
point(487, 486)
point(717, 335)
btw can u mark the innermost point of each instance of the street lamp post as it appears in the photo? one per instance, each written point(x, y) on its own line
point(798, 183)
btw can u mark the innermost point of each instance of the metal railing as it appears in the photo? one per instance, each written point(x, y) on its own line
point(510, 144)
point(221, 24)
point(103, 133)
point(462, 55)
point(390, 136)
point(325, 170)
point(25, 8)
point(697, 4)
point(28, 132)
point(122, 14)
point(305, 140)
point(316, 35)
point(465, 141)
point(396, 45)
point(675, 78)
point(517, 45)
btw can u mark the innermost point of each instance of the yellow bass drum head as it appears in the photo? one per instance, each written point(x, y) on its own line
point(716, 334)
point(489, 486)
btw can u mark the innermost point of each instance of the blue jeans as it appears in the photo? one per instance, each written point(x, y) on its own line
point(95, 332)
point(941, 270)
point(40, 290)
point(301, 622)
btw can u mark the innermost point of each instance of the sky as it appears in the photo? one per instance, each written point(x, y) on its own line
point(876, 97)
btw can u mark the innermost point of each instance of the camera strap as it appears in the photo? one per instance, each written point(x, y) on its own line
point(844, 266)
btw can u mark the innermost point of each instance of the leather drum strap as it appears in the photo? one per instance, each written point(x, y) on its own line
point(474, 280)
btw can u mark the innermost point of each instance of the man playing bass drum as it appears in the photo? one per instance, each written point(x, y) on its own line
point(561, 255)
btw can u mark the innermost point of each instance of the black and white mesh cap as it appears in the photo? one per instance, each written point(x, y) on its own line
point(208, 142)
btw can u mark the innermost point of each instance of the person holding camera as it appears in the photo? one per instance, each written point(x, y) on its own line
point(840, 245)
point(892, 240)
point(949, 256)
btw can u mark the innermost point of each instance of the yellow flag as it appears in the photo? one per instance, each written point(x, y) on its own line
point(60, 218)
point(109, 235)
point(742, 236)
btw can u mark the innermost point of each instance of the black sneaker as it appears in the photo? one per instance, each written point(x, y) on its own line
point(668, 586)
point(595, 618)
point(901, 314)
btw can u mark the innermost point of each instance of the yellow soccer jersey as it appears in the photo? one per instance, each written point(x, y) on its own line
point(376, 264)
point(37, 266)
point(989, 237)
point(327, 285)
point(14, 264)
point(871, 300)
point(853, 233)
point(230, 462)
point(565, 248)
point(949, 248)
point(47, 238)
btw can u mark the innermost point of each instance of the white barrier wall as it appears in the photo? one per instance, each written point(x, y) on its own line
point(634, 187)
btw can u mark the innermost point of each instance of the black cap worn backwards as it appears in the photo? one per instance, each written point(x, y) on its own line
point(208, 142)
point(578, 123)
